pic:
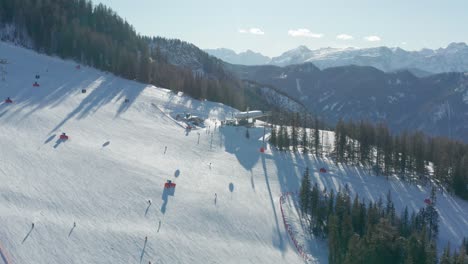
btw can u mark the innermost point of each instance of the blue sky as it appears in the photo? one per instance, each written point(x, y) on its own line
point(272, 26)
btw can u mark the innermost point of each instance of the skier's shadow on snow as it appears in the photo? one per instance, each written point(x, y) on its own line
point(165, 196)
point(143, 251)
point(147, 209)
point(177, 173)
point(106, 144)
point(71, 231)
point(29, 233)
point(3, 113)
point(49, 139)
point(58, 142)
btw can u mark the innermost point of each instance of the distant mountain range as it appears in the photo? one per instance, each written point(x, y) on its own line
point(453, 58)
point(437, 104)
point(247, 57)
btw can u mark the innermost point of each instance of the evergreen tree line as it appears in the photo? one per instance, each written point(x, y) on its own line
point(413, 156)
point(297, 132)
point(98, 37)
point(359, 232)
point(455, 257)
point(409, 155)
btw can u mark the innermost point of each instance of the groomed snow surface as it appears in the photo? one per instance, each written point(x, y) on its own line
point(114, 162)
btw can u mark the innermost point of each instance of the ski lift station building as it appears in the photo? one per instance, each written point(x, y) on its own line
point(248, 117)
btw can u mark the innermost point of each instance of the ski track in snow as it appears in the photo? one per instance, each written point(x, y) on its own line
point(4, 259)
point(115, 162)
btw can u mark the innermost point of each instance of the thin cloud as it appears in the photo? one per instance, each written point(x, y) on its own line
point(253, 31)
point(303, 32)
point(344, 37)
point(372, 38)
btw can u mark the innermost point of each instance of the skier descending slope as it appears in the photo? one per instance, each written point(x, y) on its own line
point(64, 136)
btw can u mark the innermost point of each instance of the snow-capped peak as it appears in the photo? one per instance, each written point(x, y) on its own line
point(457, 46)
point(452, 58)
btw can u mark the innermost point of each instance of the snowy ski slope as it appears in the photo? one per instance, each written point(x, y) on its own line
point(103, 177)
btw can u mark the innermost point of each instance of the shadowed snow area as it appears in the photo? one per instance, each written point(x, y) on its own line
point(95, 197)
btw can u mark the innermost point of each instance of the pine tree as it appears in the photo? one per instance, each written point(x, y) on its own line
point(280, 139)
point(404, 223)
point(305, 192)
point(340, 141)
point(462, 255)
point(384, 245)
point(356, 251)
point(387, 151)
point(333, 240)
point(431, 253)
point(321, 216)
point(432, 216)
point(446, 256)
point(294, 134)
point(409, 259)
point(304, 141)
point(358, 226)
point(390, 208)
point(286, 139)
point(317, 145)
point(403, 154)
point(273, 137)
point(465, 242)
point(346, 232)
point(365, 144)
point(331, 203)
point(314, 207)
